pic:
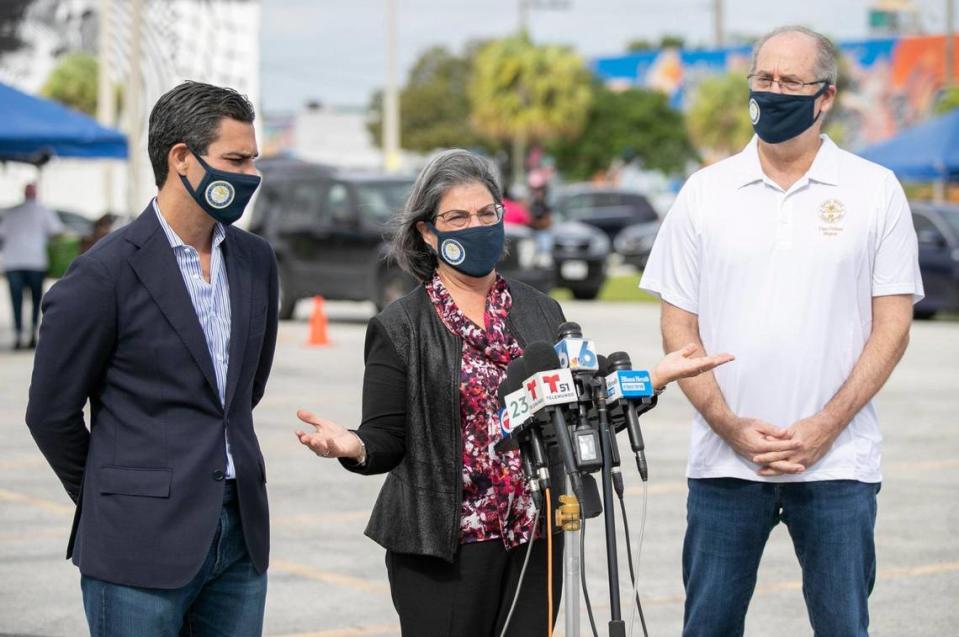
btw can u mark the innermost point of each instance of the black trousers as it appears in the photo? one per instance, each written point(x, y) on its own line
point(471, 597)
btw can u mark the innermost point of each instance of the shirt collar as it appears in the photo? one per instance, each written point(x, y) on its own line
point(219, 232)
point(824, 169)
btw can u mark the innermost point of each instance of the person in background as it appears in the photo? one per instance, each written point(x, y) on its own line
point(25, 232)
point(513, 210)
point(101, 228)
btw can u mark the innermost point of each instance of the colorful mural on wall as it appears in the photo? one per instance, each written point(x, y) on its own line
point(892, 82)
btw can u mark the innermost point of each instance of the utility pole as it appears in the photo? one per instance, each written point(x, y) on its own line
point(519, 141)
point(718, 23)
point(106, 111)
point(522, 7)
point(950, 45)
point(391, 98)
point(134, 107)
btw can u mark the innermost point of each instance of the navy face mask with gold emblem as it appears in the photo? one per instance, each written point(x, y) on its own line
point(222, 195)
point(472, 251)
point(778, 117)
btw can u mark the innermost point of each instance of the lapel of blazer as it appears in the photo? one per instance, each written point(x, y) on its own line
point(239, 272)
point(156, 267)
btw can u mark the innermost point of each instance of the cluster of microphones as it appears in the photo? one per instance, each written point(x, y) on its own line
point(568, 396)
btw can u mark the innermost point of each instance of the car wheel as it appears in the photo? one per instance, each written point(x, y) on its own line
point(287, 298)
point(585, 294)
point(393, 285)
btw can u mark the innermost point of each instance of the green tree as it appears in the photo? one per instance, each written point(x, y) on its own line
point(523, 93)
point(73, 82)
point(639, 44)
point(634, 121)
point(718, 119)
point(666, 42)
point(948, 100)
point(672, 42)
point(434, 105)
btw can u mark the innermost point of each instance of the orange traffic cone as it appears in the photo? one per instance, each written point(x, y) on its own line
point(318, 337)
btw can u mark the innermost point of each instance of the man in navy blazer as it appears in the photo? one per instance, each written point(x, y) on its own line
point(167, 327)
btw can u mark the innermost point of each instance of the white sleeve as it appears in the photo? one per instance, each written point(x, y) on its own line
point(896, 265)
point(672, 272)
point(54, 225)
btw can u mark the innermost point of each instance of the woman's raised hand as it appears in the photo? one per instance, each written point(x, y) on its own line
point(682, 364)
point(329, 439)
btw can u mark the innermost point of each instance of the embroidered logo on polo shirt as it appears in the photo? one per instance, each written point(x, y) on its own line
point(831, 212)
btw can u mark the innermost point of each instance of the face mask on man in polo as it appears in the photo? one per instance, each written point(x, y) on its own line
point(779, 117)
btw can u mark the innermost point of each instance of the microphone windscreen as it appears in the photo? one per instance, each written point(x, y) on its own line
point(516, 373)
point(603, 363)
point(569, 330)
point(619, 360)
point(540, 356)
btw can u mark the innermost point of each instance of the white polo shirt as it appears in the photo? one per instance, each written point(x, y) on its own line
point(784, 280)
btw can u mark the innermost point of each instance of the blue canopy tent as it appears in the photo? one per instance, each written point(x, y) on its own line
point(927, 152)
point(33, 129)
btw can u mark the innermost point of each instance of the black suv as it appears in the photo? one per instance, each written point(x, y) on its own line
point(937, 228)
point(328, 230)
point(607, 208)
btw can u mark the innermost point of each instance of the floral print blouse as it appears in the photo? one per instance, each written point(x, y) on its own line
point(496, 499)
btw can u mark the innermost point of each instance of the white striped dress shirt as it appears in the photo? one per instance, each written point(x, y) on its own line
point(211, 302)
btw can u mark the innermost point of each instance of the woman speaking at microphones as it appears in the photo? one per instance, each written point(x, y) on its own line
point(454, 516)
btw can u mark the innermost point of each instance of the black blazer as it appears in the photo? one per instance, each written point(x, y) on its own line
point(411, 418)
point(120, 331)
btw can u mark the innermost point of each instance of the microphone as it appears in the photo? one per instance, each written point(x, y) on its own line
point(520, 431)
point(626, 386)
point(550, 384)
point(575, 352)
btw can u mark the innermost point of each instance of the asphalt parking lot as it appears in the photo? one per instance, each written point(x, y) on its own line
point(328, 580)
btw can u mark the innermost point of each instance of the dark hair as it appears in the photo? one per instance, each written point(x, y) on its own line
point(444, 171)
point(190, 114)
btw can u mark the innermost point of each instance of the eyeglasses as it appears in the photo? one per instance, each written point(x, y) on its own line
point(487, 216)
point(765, 82)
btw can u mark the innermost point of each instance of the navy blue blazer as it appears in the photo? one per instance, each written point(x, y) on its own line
point(120, 331)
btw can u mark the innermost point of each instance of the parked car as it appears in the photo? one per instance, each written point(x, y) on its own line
point(608, 208)
point(635, 243)
point(329, 229)
point(937, 228)
point(580, 252)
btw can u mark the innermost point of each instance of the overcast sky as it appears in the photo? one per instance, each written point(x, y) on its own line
point(334, 51)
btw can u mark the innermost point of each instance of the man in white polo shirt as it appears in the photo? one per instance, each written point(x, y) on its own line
point(801, 260)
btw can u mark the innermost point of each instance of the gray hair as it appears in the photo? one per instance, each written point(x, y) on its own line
point(827, 55)
point(443, 171)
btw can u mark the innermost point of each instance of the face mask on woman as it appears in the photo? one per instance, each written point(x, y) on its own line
point(472, 251)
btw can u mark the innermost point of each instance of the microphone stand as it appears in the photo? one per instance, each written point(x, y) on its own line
point(568, 517)
point(617, 627)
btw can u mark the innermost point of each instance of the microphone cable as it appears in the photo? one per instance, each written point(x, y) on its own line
point(522, 574)
point(629, 554)
point(582, 574)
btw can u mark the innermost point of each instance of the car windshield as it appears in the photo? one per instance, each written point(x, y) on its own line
point(380, 200)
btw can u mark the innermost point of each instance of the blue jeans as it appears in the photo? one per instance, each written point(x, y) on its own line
point(831, 523)
point(18, 280)
point(226, 598)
